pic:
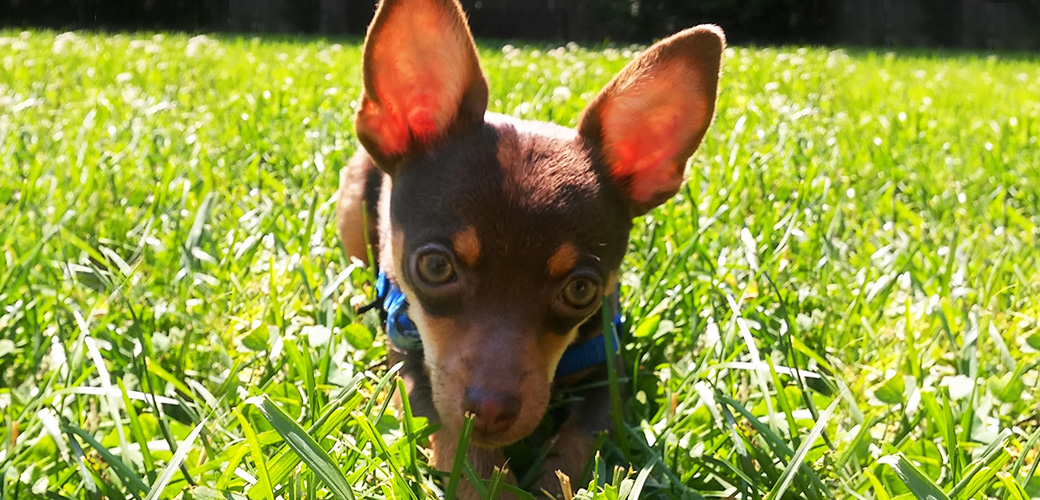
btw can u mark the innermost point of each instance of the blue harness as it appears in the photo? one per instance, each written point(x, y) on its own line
point(405, 335)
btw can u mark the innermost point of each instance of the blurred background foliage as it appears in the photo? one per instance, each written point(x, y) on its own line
point(1008, 24)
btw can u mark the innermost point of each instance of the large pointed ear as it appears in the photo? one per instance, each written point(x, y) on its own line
point(421, 78)
point(652, 116)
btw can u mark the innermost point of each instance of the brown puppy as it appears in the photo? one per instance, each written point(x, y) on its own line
point(504, 235)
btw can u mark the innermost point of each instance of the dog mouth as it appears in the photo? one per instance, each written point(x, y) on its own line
point(484, 438)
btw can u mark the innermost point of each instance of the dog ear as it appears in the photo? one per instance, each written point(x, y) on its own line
point(421, 78)
point(652, 116)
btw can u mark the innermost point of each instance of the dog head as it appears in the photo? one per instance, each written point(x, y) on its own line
point(505, 234)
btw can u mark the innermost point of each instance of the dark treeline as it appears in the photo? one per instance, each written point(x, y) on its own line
point(748, 20)
point(180, 15)
point(949, 23)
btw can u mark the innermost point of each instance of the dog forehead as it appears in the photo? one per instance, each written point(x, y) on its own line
point(524, 188)
point(525, 167)
point(544, 168)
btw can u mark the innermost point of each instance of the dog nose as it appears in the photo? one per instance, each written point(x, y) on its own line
point(493, 411)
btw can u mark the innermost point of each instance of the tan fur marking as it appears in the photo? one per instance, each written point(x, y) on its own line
point(563, 260)
point(551, 347)
point(467, 245)
point(391, 240)
point(394, 254)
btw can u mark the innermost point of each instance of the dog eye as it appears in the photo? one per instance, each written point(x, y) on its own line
point(580, 292)
point(434, 267)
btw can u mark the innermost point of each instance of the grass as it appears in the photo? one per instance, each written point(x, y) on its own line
point(844, 301)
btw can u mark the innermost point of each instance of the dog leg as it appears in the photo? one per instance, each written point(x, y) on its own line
point(572, 447)
point(359, 184)
point(569, 454)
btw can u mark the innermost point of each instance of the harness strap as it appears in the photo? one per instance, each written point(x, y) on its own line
point(393, 311)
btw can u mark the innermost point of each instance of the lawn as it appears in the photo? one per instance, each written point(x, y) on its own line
point(843, 302)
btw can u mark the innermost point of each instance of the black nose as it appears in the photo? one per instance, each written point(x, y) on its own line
point(494, 412)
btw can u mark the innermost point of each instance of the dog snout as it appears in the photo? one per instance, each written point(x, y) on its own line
point(494, 412)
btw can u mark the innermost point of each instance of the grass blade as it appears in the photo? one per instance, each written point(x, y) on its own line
point(263, 484)
point(799, 455)
point(1015, 491)
point(918, 484)
point(994, 457)
point(178, 458)
point(460, 458)
point(137, 487)
point(304, 445)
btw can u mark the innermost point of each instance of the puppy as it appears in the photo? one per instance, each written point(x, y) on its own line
point(498, 239)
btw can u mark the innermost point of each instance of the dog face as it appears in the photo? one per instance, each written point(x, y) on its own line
point(504, 234)
point(501, 269)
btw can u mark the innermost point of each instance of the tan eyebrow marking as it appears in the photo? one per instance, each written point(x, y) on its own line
point(563, 260)
point(467, 245)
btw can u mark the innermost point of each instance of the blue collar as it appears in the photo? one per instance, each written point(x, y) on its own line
point(405, 335)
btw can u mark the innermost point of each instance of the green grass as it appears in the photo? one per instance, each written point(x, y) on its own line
point(176, 317)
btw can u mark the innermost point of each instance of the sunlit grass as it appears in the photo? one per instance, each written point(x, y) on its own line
point(168, 268)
